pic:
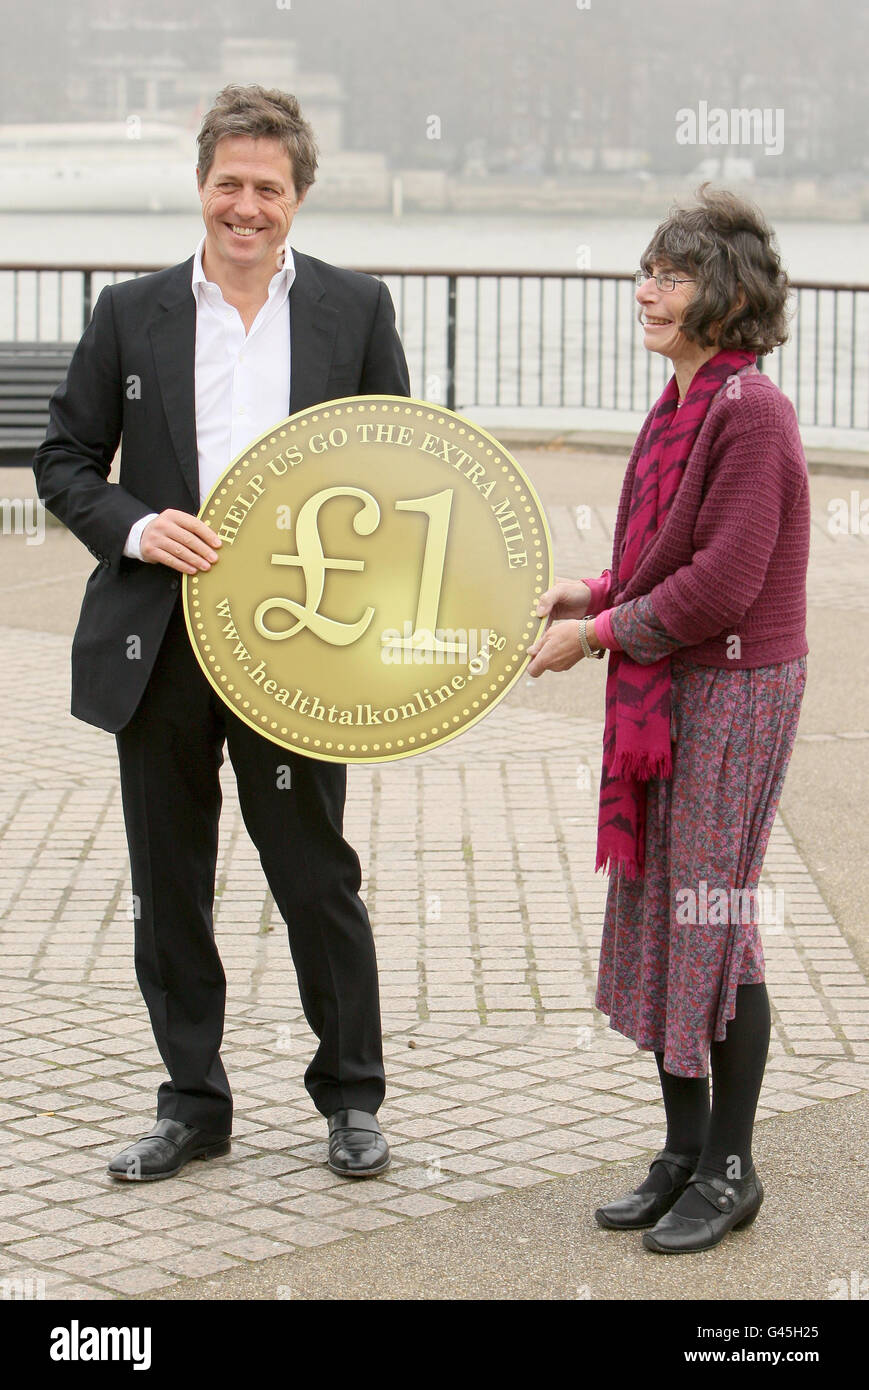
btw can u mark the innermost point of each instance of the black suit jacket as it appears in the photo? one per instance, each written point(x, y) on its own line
point(131, 379)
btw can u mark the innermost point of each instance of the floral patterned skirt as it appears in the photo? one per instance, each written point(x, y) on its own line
point(675, 946)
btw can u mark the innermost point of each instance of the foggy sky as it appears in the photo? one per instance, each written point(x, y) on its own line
point(497, 73)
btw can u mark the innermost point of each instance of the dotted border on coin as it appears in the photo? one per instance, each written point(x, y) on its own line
point(516, 657)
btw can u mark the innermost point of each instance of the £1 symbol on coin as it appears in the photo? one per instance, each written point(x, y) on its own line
point(314, 565)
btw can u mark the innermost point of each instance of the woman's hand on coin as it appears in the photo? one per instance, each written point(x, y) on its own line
point(556, 649)
point(568, 598)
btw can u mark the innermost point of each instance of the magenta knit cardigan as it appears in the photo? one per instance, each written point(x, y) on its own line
point(730, 559)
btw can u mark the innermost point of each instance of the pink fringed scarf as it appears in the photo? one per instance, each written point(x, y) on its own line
point(636, 741)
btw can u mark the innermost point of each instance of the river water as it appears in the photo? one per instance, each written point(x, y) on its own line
point(821, 251)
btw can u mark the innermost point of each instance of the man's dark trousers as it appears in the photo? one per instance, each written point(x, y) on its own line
point(170, 754)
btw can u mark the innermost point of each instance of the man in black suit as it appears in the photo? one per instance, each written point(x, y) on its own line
point(186, 367)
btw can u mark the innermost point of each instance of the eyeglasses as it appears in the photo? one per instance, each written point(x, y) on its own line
point(664, 282)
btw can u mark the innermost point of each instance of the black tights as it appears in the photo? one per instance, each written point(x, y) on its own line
point(721, 1140)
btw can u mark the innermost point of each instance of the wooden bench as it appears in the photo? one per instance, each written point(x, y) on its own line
point(29, 374)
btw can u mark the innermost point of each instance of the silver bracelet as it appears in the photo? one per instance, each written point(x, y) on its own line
point(583, 641)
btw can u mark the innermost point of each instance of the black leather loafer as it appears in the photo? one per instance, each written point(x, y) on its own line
point(357, 1148)
point(162, 1152)
point(733, 1204)
point(641, 1209)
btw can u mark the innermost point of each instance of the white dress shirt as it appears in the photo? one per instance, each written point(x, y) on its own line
point(241, 382)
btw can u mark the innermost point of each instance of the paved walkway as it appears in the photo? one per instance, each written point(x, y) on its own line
point(501, 1076)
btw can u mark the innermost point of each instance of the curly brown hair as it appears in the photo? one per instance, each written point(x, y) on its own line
point(263, 114)
point(726, 245)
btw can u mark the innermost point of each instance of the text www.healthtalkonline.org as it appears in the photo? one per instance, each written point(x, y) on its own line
point(420, 702)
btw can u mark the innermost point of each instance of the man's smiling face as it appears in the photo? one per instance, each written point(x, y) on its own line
point(248, 201)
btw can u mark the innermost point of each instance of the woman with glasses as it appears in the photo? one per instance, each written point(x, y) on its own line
point(703, 614)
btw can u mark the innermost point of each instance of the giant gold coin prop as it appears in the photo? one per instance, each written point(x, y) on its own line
point(377, 583)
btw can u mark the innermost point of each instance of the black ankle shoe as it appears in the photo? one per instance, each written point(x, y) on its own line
point(640, 1209)
point(357, 1147)
point(165, 1150)
point(733, 1205)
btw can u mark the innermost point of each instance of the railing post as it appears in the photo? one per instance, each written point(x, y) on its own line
point(87, 284)
point(451, 341)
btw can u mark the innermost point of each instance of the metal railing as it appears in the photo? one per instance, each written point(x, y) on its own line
point(477, 338)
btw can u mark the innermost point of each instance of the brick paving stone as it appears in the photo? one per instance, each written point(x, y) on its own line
point(39, 1248)
point(598, 1103)
point(255, 1248)
point(316, 1179)
point(560, 1140)
point(13, 1112)
point(469, 1117)
point(368, 1193)
point(560, 1163)
point(145, 1247)
point(461, 1139)
point(368, 1220)
point(515, 1104)
point(100, 1233)
point(197, 1264)
point(418, 1176)
point(518, 1176)
point(23, 1177)
point(17, 1204)
point(91, 1265)
point(268, 1191)
point(29, 1151)
point(467, 1163)
point(608, 1128)
point(264, 1219)
point(416, 1129)
point(416, 1205)
point(452, 1095)
point(514, 1127)
point(205, 1233)
point(138, 1280)
point(314, 1204)
point(52, 1218)
point(517, 1152)
point(161, 1219)
point(212, 1204)
point(65, 1291)
point(467, 1191)
point(610, 1150)
point(310, 1233)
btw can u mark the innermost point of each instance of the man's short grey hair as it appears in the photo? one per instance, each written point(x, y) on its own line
point(262, 114)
